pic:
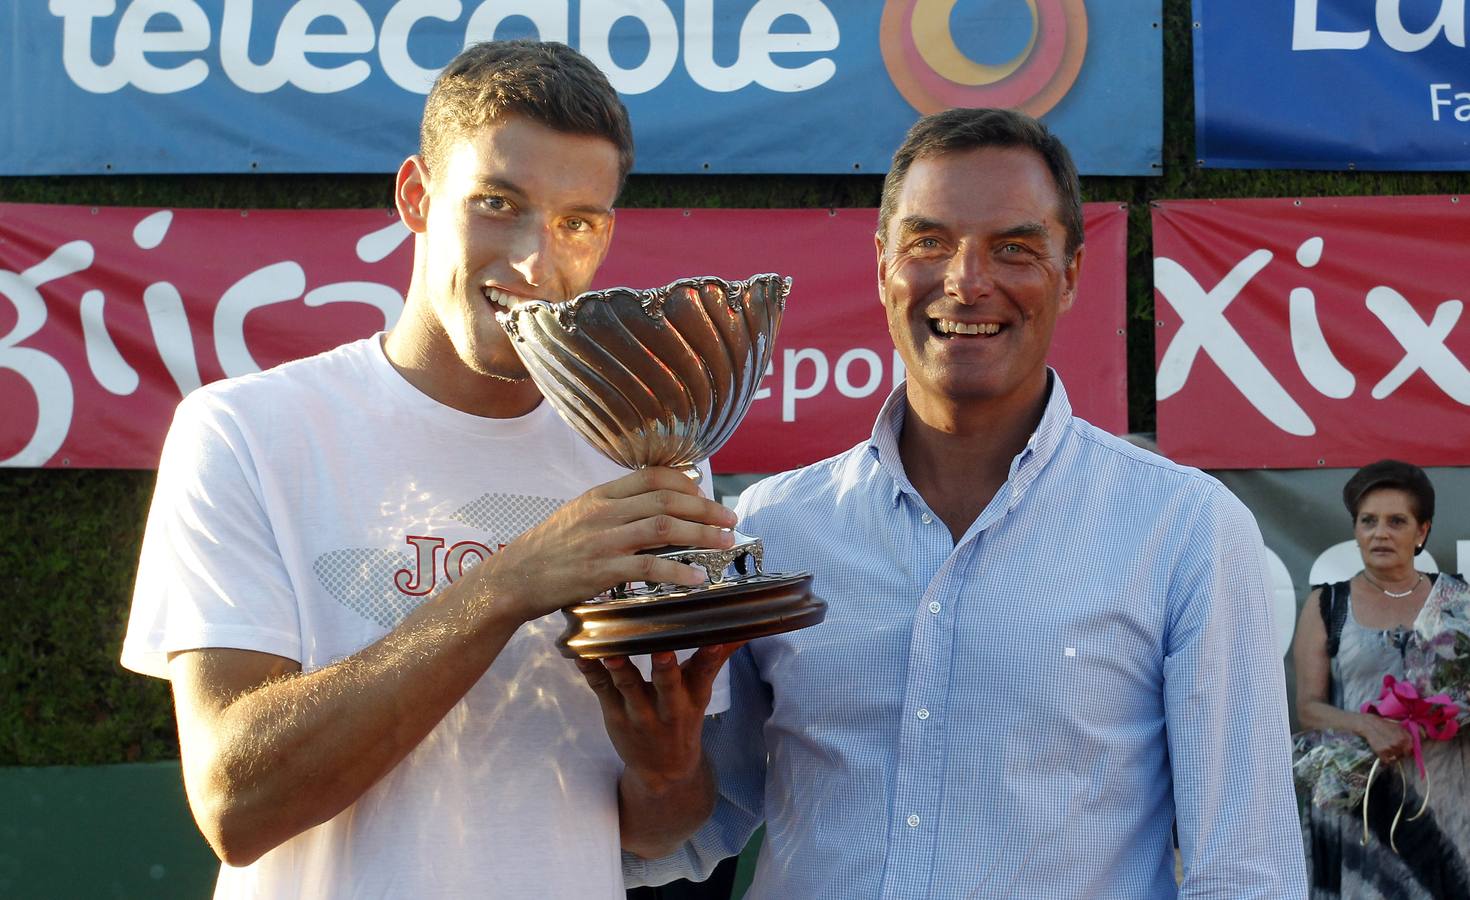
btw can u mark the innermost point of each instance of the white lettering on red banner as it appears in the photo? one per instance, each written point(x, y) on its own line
point(109, 316)
point(1333, 320)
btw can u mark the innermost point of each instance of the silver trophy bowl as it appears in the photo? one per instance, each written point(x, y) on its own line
point(662, 377)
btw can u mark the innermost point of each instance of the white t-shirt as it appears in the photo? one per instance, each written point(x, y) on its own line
point(304, 512)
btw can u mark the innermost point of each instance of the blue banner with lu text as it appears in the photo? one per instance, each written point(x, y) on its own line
point(747, 86)
point(1332, 84)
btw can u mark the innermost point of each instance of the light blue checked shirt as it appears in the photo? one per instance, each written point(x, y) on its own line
point(1023, 713)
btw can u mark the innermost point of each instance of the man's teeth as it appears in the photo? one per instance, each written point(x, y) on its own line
point(947, 326)
point(495, 295)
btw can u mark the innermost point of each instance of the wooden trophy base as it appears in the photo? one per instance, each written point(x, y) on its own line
point(735, 610)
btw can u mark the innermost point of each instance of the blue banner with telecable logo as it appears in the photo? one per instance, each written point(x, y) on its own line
point(1332, 84)
point(717, 86)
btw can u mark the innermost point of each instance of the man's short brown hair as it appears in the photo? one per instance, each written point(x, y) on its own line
point(547, 82)
point(957, 130)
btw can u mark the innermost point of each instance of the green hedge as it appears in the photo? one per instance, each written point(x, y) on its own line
point(69, 539)
point(70, 543)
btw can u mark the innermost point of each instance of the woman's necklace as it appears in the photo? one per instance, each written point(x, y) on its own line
point(1397, 595)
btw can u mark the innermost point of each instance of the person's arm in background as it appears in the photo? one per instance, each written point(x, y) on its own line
point(1225, 715)
point(269, 752)
point(1313, 686)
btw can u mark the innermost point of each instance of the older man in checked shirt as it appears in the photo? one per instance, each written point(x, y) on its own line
point(1044, 647)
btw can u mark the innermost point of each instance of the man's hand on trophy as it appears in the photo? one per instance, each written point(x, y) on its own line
point(655, 725)
point(592, 543)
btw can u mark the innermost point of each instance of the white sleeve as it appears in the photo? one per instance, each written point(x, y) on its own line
point(210, 573)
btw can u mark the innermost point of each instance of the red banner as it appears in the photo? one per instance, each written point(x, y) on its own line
point(1312, 332)
point(114, 313)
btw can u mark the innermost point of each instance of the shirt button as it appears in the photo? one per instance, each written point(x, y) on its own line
point(922, 713)
point(934, 606)
point(926, 519)
point(913, 821)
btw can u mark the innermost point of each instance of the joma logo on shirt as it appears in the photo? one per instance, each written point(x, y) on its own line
point(458, 559)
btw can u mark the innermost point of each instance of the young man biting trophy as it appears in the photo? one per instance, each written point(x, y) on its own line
point(355, 723)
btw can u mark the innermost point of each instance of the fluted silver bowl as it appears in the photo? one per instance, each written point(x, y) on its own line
point(656, 377)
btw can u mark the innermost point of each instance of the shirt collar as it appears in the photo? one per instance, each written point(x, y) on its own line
point(1040, 447)
point(883, 444)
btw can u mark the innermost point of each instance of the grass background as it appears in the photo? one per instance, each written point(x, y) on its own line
point(69, 538)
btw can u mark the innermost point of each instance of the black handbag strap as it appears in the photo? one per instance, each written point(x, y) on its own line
point(1334, 605)
point(1333, 601)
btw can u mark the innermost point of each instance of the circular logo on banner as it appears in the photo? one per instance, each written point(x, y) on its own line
point(932, 73)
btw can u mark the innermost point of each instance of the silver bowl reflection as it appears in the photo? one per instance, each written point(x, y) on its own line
point(656, 377)
point(661, 377)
